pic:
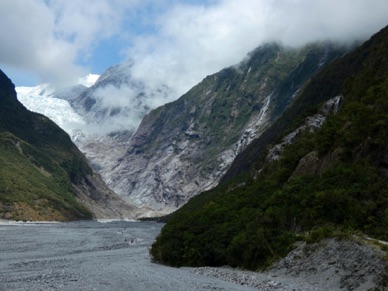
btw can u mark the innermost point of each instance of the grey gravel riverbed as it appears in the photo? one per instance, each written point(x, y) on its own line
point(91, 256)
point(115, 256)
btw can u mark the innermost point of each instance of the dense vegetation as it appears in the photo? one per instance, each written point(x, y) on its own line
point(254, 217)
point(38, 164)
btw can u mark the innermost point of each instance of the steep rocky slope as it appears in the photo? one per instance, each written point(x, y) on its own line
point(323, 183)
point(43, 176)
point(184, 147)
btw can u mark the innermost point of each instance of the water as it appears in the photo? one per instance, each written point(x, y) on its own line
point(91, 256)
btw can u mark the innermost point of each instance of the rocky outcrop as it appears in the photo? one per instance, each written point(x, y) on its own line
point(311, 123)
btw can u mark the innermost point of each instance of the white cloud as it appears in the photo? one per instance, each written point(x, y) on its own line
point(112, 96)
point(195, 40)
point(121, 106)
point(49, 37)
point(86, 22)
point(173, 42)
point(28, 41)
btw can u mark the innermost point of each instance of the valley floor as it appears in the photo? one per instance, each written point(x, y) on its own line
point(114, 256)
point(90, 256)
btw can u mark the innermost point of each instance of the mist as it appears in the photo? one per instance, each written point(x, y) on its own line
point(194, 41)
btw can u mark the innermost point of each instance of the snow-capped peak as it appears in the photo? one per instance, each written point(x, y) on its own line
point(88, 80)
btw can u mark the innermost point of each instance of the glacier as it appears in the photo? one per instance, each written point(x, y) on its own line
point(43, 99)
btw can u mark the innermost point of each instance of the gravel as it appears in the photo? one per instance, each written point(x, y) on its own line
point(349, 264)
point(91, 256)
point(115, 256)
point(258, 281)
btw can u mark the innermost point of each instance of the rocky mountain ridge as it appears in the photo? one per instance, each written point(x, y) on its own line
point(184, 147)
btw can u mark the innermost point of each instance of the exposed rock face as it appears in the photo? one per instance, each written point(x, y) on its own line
point(103, 202)
point(184, 147)
point(102, 150)
point(312, 123)
point(335, 265)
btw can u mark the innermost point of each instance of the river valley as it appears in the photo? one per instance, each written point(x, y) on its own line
point(90, 256)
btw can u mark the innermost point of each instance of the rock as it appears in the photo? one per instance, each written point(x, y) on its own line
point(335, 264)
point(311, 123)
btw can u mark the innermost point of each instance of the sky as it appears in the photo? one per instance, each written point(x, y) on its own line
point(175, 42)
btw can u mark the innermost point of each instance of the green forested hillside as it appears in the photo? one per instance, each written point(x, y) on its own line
point(331, 181)
point(38, 164)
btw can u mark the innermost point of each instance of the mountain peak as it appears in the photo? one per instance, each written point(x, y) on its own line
point(88, 80)
point(7, 85)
